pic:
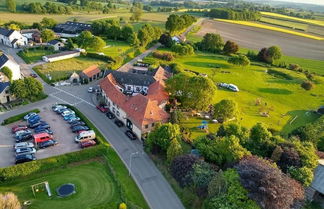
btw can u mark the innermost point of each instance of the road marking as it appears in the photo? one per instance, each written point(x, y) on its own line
point(82, 100)
point(5, 146)
point(61, 99)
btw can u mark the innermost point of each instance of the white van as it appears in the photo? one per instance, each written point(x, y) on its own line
point(85, 135)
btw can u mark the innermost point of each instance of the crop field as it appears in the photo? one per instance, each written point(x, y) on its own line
point(64, 68)
point(285, 23)
point(259, 92)
point(268, 27)
point(94, 187)
point(296, 19)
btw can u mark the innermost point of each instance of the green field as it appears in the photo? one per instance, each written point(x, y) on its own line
point(64, 68)
point(34, 55)
point(115, 48)
point(94, 187)
point(280, 97)
point(285, 23)
point(295, 19)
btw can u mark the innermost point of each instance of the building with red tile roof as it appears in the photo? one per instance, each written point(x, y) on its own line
point(139, 112)
point(91, 73)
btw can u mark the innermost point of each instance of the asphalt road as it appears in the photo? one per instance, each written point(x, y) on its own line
point(257, 38)
point(154, 187)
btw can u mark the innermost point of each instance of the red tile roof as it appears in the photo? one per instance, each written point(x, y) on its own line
point(91, 71)
point(156, 92)
point(161, 75)
point(142, 110)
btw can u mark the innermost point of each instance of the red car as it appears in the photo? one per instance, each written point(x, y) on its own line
point(102, 108)
point(16, 128)
point(87, 143)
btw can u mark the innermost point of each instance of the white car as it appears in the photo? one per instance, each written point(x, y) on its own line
point(90, 89)
point(27, 150)
point(29, 115)
point(23, 145)
point(233, 88)
point(18, 133)
point(67, 112)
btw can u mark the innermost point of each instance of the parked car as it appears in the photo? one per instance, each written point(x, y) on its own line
point(67, 113)
point(34, 125)
point(90, 89)
point(23, 145)
point(55, 108)
point(48, 143)
point(29, 115)
point(233, 88)
point(110, 115)
point(24, 137)
point(16, 128)
point(26, 150)
point(42, 137)
point(77, 123)
point(34, 75)
point(119, 123)
point(87, 143)
point(50, 132)
point(67, 117)
point(130, 135)
point(43, 126)
point(59, 111)
point(22, 132)
point(33, 119)
point(70, 120)
point(79, 128)
point(102, 108)
point(85, 135)
point(25, 158)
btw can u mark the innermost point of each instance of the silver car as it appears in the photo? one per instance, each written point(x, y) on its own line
point(18, 133)
point(27, 150)
point(23, 145)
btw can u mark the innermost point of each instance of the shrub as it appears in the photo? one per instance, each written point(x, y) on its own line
point(163, 56)
point(104, 58)
point(294, 67)
point(17, 117)
point(307, 85)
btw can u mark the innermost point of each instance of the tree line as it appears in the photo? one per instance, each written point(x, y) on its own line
point(231, 14)
point(176, 23)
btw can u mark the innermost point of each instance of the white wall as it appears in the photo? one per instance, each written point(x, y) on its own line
point(15, 69)
point(54, 59)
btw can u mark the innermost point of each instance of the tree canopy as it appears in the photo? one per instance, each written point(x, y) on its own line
point(181, 167)
point(211, 42)
point(226, 109)
point(47, 35)
point(239, 60)
point(230, 47)
point(176, 23)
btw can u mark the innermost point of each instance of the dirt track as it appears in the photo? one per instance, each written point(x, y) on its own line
point(257, 38)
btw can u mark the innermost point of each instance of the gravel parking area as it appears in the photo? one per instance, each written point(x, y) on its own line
point(62, 134)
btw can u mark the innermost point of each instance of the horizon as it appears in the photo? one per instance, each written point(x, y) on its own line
point(317, 2)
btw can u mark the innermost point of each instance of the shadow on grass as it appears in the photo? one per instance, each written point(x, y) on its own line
point(275, 91)
point(282, 81)
point(207, 64)
point(297, 119)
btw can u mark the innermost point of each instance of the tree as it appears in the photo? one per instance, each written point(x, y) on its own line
point(181, 167)
point(48, 23)
point(230, 47)
point(14, 27)
point(226, 109)
point(174, 150)
point(9, 201)
point(233, 129)
point(183, 49)
point(47, 35)
point(136, 15)
point(133, 40)
point(166, 40)
point(270, 54)
point(307, 85)
point(70, 45)
point(127, 31)
point(222, 151)
point(183, 87)
point(34, 87)
point(85, 39)
point(202, 173)
point(7, 72)
point(162, 135)
point(11, 5)
point(217, 185)
point(211, 42)
point(231, 195)
point(18, 88)
point(289, 157)
point(267, 185)
point(97, 43)
point(240, 60)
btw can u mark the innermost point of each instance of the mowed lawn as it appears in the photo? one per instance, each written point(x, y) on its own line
point(283, 99)
point(94, 187)
point(64, 68)
point(34, 55)
point(115, 48)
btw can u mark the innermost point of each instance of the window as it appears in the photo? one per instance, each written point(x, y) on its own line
point(138, 89)
point(117, 113)
point(146, 126)
point(113, 110)
point(129, 88)
point(153, 124)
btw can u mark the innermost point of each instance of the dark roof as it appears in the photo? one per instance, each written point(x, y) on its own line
point(14, 41)
point(24, 31)
point(6, 32)
point(53, 42)
point(3, 86)
point(132, 78)
point(72, 27)
point(3, 59)
point(61, 54)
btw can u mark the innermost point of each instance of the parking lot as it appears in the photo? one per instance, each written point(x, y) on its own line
point(62, 134)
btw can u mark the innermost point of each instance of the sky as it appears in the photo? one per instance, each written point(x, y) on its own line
point(320, 2)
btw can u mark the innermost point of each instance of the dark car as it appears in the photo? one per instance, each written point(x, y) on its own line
point(37, 131)
point(79, 128)
point(130, 135)
point(77, 123)
point(43, 126)
point(18, 128)
point(39, 123)
point(87, 143)
point(34, 75)
point(102, 108)
point(24, 137)
point(48, 143)
point(25, 158)
point(110, 115)
point(119, 123)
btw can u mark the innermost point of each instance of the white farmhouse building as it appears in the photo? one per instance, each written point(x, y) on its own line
point(61, 56)
point(5, 61)
point(12, 38)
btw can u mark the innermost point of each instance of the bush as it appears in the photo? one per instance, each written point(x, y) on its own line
point(294, 67)
point(279, 74)
point(163, 56)
point(307, 85)
point(42, 76)
point(17, 117)
point(104, 58)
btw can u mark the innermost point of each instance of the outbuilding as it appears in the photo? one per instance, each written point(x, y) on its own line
point(57, 45)
point(61, 56)
point(91, 73)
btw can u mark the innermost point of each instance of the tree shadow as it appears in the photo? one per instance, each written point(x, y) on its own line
point(275, 91)
point(207, 64)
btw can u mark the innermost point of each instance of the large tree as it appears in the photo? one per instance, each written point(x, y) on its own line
point(181, 167)
point(11, 5)
point(270, 54)
point(267, 185)
point(97, 43)
point(166, 40)
point(47, 35)
point(201, 175)
point(48, 23)
point(127, 31)
point(230, 47)
point(137, 14)
point(211, 42)
point(174, 150)
point(226, 109)
point(183, 87)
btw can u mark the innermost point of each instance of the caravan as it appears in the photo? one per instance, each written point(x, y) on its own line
point(85, 135)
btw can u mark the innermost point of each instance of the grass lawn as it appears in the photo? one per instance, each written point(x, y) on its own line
point(34, 55)
point(64, 68)
point(268, 27)
point(116, 48)
point(283, 99)
point(94, 187)
point(138, 25)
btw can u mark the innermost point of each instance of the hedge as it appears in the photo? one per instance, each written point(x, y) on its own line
point(104, 58)
point(99, 137)
point(17, 117)
point(42, 76)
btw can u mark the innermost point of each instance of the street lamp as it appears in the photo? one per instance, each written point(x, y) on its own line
point(130, 160)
